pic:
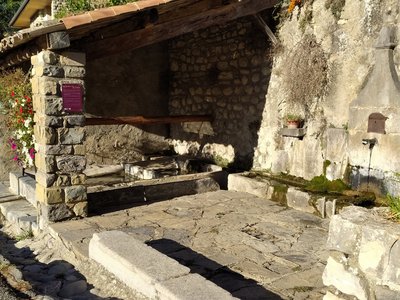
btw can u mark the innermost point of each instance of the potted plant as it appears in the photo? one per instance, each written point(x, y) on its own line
point(293, 120)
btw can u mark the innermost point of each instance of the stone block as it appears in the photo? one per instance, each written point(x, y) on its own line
point(63, 180)
point(48, 121)
point(193, 287)
point(45, 163)
point(14, 182)
point(45, 136)
point(343, 235)
point(71, 136)
point(79, 149)
point(27, 186)
point(78, 120)
point(44, 179)
point(385, 293)
point(78, 179)
point(45, 57)
point(51, 195)
point(48, 70)
point(335, 274)
point(58, 149)
point(330, 208)
point(75, 193)
point(299, 200)
point(71, 163)
point(241, 183)
point(177, 189)
point(133, 262)
point(48, 86)
point(391, 275)
point(375, 245)
point(73, 59)
point(74, 72)
point(55, 213)
point(81, 209)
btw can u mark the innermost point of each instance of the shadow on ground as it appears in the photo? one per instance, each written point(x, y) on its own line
point(236, 284)
point(30, 277)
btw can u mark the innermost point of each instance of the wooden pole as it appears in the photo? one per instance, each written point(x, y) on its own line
point(141, 120)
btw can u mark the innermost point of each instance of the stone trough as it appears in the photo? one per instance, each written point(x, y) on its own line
point(292, 194)
point(152, 180)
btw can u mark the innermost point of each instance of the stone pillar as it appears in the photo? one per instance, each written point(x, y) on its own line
point(60, 159)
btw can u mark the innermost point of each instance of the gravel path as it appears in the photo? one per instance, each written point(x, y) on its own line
point(7, 292)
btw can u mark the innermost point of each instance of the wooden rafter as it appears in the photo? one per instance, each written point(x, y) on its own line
point(172, 25)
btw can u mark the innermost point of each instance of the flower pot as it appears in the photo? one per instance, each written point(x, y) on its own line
point(293, 124)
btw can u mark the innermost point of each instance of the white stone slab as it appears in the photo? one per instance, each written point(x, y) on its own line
point(191, 287)
point(133, 262)
point(96, 171)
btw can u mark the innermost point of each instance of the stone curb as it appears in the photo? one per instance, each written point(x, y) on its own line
point(24, 186)
point(148, 271)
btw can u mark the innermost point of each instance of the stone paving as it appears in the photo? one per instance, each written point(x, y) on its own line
point(252, 247)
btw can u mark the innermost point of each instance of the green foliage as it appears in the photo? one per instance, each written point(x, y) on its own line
point(394, 205)
point(7, 10)
point(327, 163)
point(24, 235)
point(293, 117)
point(336, 7)
point(220, 161)
point(73, 7)
point(322, 185)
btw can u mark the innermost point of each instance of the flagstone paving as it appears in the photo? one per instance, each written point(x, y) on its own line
point(252, 247)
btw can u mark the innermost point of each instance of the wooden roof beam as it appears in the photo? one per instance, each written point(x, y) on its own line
point(168, 29)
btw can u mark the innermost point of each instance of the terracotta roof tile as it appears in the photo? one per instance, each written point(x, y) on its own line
point(110, 12)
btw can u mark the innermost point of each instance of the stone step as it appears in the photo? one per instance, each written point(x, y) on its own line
point(21, 215)
point(5, 193)
point(24, 186)
point(148, 271)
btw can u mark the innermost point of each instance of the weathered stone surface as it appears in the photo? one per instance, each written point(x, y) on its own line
point(384, 293)
point(57, 149)
point(27, 187)
point(73, 59)
point(240, 183)
point(74, 72)
point(56, 212)
point(71, 136)
point(344, 280)
point(63, 180)
point(76, 193)
point(45, 179)
point(49, 195)
point(330, 296)
point(133, 262)
point(79, 149)
point(73, 289)
point(192, 286)
point(14, 182)
point(78, 120)
point(81, 209)
point(48, 70)
point(78, 179)
point(71, 163)
point(343, 235)
point(299, 200)
point(45, 163)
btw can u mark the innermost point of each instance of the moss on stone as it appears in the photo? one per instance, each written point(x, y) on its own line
point(327, 163)
point(321, 184)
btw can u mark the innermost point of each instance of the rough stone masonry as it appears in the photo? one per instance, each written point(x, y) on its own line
point(60, 158)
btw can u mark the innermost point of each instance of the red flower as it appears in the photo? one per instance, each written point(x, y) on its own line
point(12, 94)
point(21, 110)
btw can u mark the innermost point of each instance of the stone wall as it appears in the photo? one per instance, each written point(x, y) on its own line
point(348, 45)
point(364, 256)
point(127, 84)
point(60, 158)
point(223, 71)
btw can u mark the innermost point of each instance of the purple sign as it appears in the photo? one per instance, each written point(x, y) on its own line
point(72, 96)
